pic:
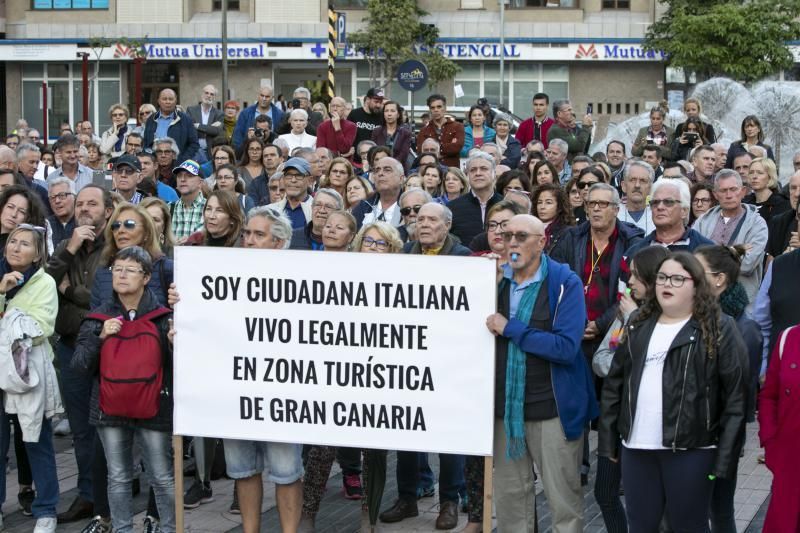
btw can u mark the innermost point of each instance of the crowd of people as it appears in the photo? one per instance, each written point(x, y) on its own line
point(645, 292)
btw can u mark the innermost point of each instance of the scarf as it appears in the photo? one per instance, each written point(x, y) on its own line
point(230, 124)
point(733, 300)
point(514, 420)
point(119, 146)
point(27, 275)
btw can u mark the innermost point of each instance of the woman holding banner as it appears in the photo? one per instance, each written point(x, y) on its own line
point(124, 410)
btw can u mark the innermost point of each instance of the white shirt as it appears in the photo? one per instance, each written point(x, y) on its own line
point(647, 432)
point(296, 141)
point(378, 213)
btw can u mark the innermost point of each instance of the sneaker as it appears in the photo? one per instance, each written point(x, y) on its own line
point(235, 503)
point(25, 498)
point(150, 525)
point(352, 487)
point(45, 525)
point(62, 429)
point(98, 525)
point(197, 494)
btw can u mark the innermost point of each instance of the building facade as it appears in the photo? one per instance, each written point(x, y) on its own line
point(587, 50)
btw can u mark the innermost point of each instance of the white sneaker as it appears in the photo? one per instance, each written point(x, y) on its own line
point(62, 429)
point(45, 525)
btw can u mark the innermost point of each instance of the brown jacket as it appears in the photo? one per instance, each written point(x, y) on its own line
point(451, 139)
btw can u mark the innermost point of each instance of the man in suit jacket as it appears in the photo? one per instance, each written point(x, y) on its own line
point(207, 120)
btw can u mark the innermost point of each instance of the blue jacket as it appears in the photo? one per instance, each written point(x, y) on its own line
point(181, 130)
point(469, 141)
point(247, 120)
point(103, 292)
point(513, 154)
point(561, 347)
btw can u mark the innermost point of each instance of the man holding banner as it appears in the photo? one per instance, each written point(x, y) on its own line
point(543, 389)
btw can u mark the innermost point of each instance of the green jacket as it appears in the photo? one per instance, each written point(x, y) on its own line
point(39, 300)
point(578, 143)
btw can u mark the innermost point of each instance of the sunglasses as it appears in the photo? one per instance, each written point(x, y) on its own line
point(128, 224)
point(405, 211)
point(584, 184)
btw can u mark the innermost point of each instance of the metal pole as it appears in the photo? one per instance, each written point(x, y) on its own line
point(225, 96)
point(85, 79)
point(332, 34)
point(502, 47)
point(137, 85)
point(44, 113)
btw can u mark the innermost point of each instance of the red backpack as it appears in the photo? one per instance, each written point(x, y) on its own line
point(131, 367)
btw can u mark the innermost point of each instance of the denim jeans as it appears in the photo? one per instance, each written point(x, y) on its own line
point(42, 457)
point(451, 475)
point(157, 455)
point(76, 391)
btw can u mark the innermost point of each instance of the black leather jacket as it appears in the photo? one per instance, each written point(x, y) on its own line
point(703, 397)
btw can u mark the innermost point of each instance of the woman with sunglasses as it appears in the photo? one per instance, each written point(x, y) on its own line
point(226, 179)
point(673, 402)
point(145, 110)
point(28, 290)
point(131, 297)
point(588, 177)
point(112, 143)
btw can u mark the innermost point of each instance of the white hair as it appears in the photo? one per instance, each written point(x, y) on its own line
point(301, 113)
point(683, 190)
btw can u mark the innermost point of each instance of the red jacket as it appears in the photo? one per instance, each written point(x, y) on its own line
point(525, 131)
point(451, 140)
point(779, 427)
point(338, 142)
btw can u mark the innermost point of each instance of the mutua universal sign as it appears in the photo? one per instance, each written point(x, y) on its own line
point(616, 52)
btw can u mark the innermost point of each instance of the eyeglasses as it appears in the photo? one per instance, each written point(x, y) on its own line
point(118, 115)
point(666, 202)
point(127, 171)
point(61, 196)
point(293, 177)
point(583, 184)
point(369, 242)
point(226, 177)
point(405, 211)
point(602, 204)
point(521, 236)
point(701, 201)
point(493, 225)
point(675, 280)
point(128, 224)
point(274, 188)
point(128, 271)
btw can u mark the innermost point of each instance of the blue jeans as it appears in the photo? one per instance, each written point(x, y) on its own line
point(157, 455)
point(42, 457)
point(451, 476)
point(76, 391)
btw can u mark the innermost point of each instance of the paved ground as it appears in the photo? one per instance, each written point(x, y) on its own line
point(338, 515)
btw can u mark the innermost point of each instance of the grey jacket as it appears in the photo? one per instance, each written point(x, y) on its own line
point(206, 131)
point(753, 231)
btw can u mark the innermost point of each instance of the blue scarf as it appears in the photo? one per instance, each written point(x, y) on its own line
point(119, 146)
point(514, 419)
point(5, 268)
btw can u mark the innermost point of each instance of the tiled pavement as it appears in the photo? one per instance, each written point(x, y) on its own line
point(338, 515)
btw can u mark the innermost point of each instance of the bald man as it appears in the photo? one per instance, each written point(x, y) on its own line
point(337, 133)
point(539, 325)
point(207, 120)
point(168, 121)
point(247, 118)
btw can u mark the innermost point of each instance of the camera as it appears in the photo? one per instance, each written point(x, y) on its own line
point(691, 137)
point(259, 133)
point(296, 103)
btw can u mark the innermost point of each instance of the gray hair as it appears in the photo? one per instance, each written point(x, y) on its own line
point(396, 165)
point(558, 104)
point(615, 199)
point(280, 226)
point(276, 177)
point(365, 143)
point(138, 254)
point(27, 147)
point(683, 190)
point(303, 151)
point(522, 196)
point(501, 117)
point(333, 194)
point(447, 215)
point(726, 173)
point(305, 92)
point(561, 144)
point(431, 140)
point(299, 113)
point(171, 142)
point(328, 151)
point(415, 190)
point(61, 180)
point(480, 155)
point(636, 162)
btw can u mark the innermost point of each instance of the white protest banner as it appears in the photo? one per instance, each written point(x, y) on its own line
point(384, 351)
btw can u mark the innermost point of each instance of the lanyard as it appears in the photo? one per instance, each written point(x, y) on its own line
point(595, 268)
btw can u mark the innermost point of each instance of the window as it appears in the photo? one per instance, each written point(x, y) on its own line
point(569, 4)
point(351, 4)
point(616, 4)
point(70, 4)
point(233, 5)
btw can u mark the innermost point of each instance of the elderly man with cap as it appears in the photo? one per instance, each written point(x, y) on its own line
point(296, 205)
point(127, 176)
point(187, 212)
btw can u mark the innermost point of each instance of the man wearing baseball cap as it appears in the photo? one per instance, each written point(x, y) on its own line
point(296, 205)
point(127, 176)
point(367, 117)
point(187, 211)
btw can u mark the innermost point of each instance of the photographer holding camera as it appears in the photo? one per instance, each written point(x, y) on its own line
point(691, 137)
